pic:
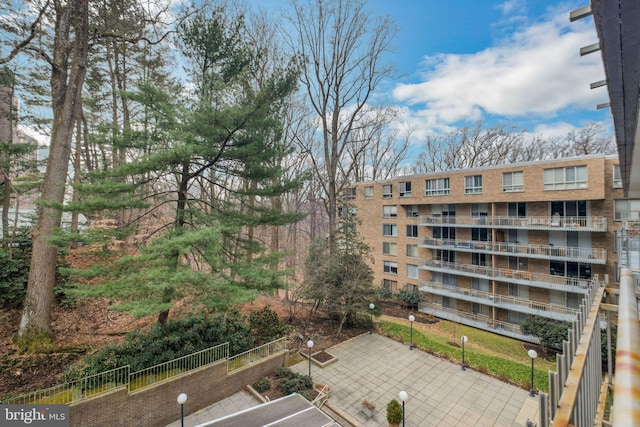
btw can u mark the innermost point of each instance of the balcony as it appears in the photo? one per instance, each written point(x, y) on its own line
point(529, 278)
point(477, 321)
point(552, 311)
point(567, 223)
point(564, 253)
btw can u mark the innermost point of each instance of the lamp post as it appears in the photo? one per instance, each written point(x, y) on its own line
point(371, 307)
point(412, 318)
point(464, 340)
point(403, 397)
point(182, 398)
point(532, 354)
point(310, 345)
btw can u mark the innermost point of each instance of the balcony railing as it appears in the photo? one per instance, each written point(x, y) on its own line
point(549, 281)
point(554, 311)
point(573, 223)
point(584, 255)
point(477, 321)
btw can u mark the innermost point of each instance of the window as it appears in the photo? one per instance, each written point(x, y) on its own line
point(480, 234)
point(389, 248)
point(444, 255)
point(389, 230)
point(347, 211)
point(390, 285)
point(412, 271)
point(512, 181)
point(617, 177)
point(349, 193)
point(567, 178)
point(517, 209)
point(391, 267)
point(436, 187)
point(412, 251)
point(405, 189)
point(412, 211)
point(389, 211)
point(387, 191)
point(625, 210)
point(368, 192)
point(443, 232)
point(479, 210)
point(412, 231)
point(479, 259)
point(473, 184)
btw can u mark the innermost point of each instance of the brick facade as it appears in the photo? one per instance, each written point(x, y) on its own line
point(539, 245)
point(156, 405)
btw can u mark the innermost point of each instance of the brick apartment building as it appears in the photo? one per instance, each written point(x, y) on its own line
point(487, 247)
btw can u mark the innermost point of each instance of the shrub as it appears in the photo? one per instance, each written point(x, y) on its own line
point(411, 297)
point(284, 372)
point(14, 272)
point(394, 412)
point(262, 385)
point(266, 326)
point(550, 332)
point(295, 384)
point(161, 344)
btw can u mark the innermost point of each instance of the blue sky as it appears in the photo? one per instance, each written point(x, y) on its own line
point(507, 62)
point(512, 62)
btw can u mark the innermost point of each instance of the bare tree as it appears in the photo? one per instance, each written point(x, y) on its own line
point(477, 146)
point(342, 48)
point(468, 147)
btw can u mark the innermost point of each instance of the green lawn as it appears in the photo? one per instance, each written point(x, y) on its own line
point(500, 356)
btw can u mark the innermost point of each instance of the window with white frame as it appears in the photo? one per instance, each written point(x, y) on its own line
point(368, 192)
point(387, 191)
point(412, 251)
point(389, 248)
point(390, 267)
point(566, 178)
point(412, 230)
point(617, 177)
point(412, 271)
point(625, 210)
point(436, 187)
point(389, 230)
point(390, 211)
point(412, 211)
point(473, 184)
point(405, 189)
point(349, 193)
point(513, 181)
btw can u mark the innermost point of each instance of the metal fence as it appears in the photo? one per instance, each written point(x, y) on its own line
point(255, 355)
point(148, 376)
point(76, 390)
point(121, 377)
point(574, 390)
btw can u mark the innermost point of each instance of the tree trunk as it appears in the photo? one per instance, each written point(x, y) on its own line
point(66, 91)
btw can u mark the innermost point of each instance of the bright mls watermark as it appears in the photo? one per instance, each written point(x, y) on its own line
point(34, 415)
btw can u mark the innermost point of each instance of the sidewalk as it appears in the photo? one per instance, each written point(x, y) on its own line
point(377, 368)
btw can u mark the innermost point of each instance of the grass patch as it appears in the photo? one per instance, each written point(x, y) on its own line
point(502, 357)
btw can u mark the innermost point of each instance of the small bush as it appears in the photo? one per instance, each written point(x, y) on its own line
point(394, 412)
point(295, 384)
point(284, 372)
point(262, 385)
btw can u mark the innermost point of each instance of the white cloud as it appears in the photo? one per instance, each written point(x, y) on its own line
point(535, 71)
point(550, 131)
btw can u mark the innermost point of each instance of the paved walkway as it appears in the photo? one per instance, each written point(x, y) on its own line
point(377, 368)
